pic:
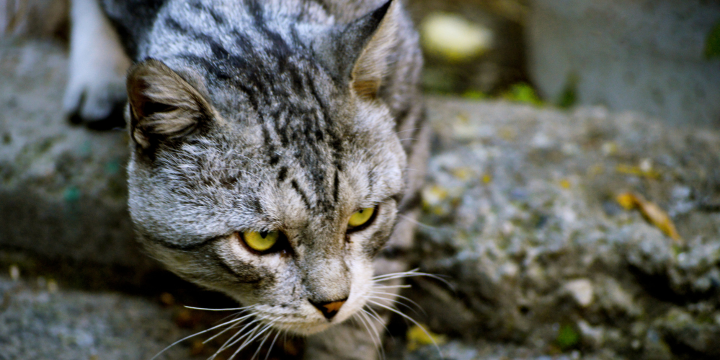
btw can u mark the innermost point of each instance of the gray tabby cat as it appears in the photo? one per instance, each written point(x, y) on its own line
point(277, 148)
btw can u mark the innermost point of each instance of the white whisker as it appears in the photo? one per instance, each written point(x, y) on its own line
point(251, 339)
point(262, 342)
point(232, 340)
point(195, 334)
point(407, 130)
point(414, 221)
point(408, 274)
point(411, 320)
point(393, 301)
point(392, 286)
point(371, 330)
point(400, 302)
point(237, 322)
point(372, 313)
point(228, 309)
point(271, 345)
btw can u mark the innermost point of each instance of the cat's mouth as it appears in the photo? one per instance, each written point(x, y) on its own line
point(309, 320)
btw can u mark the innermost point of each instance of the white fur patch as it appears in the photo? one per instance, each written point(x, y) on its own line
point(97, 63)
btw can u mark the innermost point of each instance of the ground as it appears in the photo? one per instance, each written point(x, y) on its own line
point(552, 227)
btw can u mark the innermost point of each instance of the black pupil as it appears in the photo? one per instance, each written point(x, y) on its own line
point(361, 211)
point(263, 234)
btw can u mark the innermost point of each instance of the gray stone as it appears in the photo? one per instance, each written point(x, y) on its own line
point(63, 191)
point(34, 18)
point(72, 325)
point(516, 208)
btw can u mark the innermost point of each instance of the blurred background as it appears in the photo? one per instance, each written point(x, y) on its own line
point(573, 200)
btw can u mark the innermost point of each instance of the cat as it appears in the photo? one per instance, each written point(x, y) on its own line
point(277, 150)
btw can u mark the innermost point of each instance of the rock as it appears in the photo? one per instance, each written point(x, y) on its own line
point(71, 325)
point(698, 333)
point(528, 237)
point(594, 337)
point(454, 38)
point(655, 347)
point(34, 18)
point(581, 290)
point(628, 55)
point(455, 350)
point(63, 192)
point(616, 300)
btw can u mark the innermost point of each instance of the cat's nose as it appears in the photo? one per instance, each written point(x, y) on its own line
point(330, 308)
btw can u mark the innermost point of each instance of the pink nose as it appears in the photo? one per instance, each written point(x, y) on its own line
point(329, 309)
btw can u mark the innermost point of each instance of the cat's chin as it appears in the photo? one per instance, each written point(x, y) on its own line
point(307, 329)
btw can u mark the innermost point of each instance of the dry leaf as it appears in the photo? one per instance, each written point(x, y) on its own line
point(197, 347)
point(565, 184)
point(637, 171)
point(651, 211)
point(418, 336)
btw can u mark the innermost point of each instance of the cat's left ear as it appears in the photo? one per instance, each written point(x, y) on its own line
point(360, 49)
point(162, 105)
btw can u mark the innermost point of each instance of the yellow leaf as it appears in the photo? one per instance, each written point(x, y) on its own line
point(626, 200)
point(652, 213)
point(565, 184)
point(637, 171)
point(418, 336)
point(462, 173)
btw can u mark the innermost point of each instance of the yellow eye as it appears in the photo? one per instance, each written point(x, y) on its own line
point(360, 217)
point(261, 241)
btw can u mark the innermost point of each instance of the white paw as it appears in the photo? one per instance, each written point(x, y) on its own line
point(98, 64)
point(94, 92)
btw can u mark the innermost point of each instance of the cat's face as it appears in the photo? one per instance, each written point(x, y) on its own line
point(276, 184)
point(200, 203)
point(264, 167)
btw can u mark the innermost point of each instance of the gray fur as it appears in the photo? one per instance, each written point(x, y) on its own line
point(275, 115)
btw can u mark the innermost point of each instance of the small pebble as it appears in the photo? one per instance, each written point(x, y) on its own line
point(167, 299)
point(609, 148)
point(454, 38)
point(52, 286)
point(581, 290)
point(14, 272)
point(646, 165)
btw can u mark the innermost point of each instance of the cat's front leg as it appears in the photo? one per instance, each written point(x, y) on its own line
point(95, 92)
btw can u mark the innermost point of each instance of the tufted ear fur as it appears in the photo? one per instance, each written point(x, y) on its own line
point(358, 52)
point(372, 64)
point(162, 105)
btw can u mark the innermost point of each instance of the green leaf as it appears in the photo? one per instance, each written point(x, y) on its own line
point(712, 43)
point(568, 97)
point(567, 337)
point(474, 95)
point(523, 93)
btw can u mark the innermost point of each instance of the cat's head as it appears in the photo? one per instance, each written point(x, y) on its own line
point(270, 171)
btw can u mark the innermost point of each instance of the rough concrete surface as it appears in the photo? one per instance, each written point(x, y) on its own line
point(521, 219)
point(37, 323)
point(62, 188)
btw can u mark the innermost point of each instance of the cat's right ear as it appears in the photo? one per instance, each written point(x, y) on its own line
point(162, 105)
point(357, 53)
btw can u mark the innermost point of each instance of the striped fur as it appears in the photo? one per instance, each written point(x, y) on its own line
point(275, 115)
